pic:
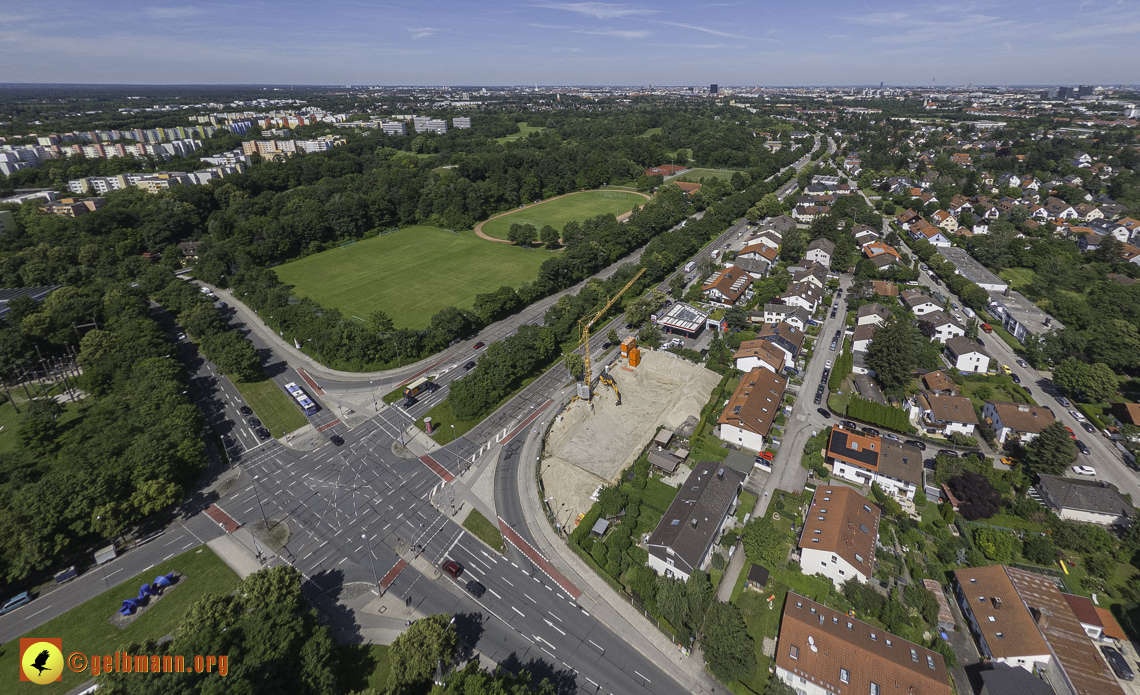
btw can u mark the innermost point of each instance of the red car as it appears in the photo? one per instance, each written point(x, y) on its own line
point(452, 567)
point(1071, 435)
point(478, 345)
point(766, 455)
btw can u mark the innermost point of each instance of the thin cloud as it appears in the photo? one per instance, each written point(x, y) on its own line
point(706, 30)
point(424, 32)
point(620, 33)
point(173, 12)
point(600, 10)
point(566, 50)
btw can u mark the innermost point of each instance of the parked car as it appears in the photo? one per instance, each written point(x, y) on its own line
point(469, 366)
point(1016, 378)
point(892, 437)
point(263, 434)
point(916, 444)
point(478, 345)
point(1088, 427)
point(1077, 416)
point(948, 452)
point(246, 410)
point(182, 336)
point(833, 313)
point(1084, 470)
point(1026, 389)
point(818, 398)
point(452, 568)
point(827, 364)
point(1006, 370)
point(826, 373)
point(981, 343)
point(824, 412)
point(1118, 663)
point(1063, 401)
point(1009, 461)
point(847, 424)
point(254, 422)
point(1023, 364)
point(476, 589)
point(1072, 434)
point(766, 455)
point(833, 344)
point(987, 328)
point(871, 431)
point(1083, 448)
point(15, 602)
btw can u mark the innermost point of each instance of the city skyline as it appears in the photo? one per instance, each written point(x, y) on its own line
point(569, 43)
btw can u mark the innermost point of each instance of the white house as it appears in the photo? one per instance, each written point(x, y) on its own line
point(864, 335)
point(873, 313)
point(940, 326)
point(747, 419)
point(967, 356)
point(839, 535)
point(821, 250)
point(947, 414)
point(866, 459)
point(763, 354)
point(680, 544)
point(1087, 501)
point(803, 294)
point(1017, 420)
point(919, 302)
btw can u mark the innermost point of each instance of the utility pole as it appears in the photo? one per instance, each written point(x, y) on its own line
point(375, 577)
point(258, 497)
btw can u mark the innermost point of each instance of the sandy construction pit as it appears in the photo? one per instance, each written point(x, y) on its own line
point(663, 390)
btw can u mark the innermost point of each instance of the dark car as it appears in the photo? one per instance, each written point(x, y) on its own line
point(254, 422)
point(916, 444)
point(1016, 378)
point(476, 589)
point(847, 424)
point(1082, 447)
point(246, 410)
point(824, 412)
point(478, 345)
point(818, 398)
point(606, 345)
point(1088, 428)
point(452, 567)
point(469, 366)
point(15, 602)
point(871, 430)
point(336, 440)
point(833, 313)
point(929, 463)
point(263, 434)
point(1118, 663)
point(826, 373)
point(948, 452)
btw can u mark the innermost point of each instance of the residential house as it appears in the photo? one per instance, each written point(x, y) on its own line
point(1016, 420)
point(747, 419)
point(796, 316)
point(1022, 620)
point(755, 354)
point(959, 204)
point(787, 338)
point(1003, 679)
point(907, 217)
point(758, 251)
point(822, 651)
point(871, 313)
point(839, 535)
point(947, 414)
point(756, 269)
point(1130, 253)
point(919, 302)
point(1089, 212)
point(1098, 623)
point(1087, 501)
point(884, 288)
point(937, 382)
point(967, 356)
point(808, 213)
point(805, 294)
point(881, 254)
point(780, 223)
point(865, 235)
point(811, 272)
point(1059, 209)
point(681, 542)
point(727, 287)
point(940, 326)
point(863, 336)
point(921, 229)
point(945, 220)
point(866, 459)
point(821, 250)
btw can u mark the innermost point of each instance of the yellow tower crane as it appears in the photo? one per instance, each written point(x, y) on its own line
point(585, 390)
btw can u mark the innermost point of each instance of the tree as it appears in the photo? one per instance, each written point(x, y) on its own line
point(736, 318)
point(379, 322)
point(1051, 451)
point(38, 429)
point(521, 234)
point(416, 652)
point(677, 285)
point(794, 245)
point(233, 354)
point(978, 498)
point(1088, 382)
point(727, 646)
point(1038, 549)
point(611, 500)
point(776, 686)
point(892, 353)
point(972, 329)
point(763, 543)
point(1114, 342)
point(997, 545)
point(549, 236)
point(574, 364)
point(649, 336)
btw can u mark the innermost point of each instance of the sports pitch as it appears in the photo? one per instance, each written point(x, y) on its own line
point(557, 212)
point(695, 175)
point(410, 274)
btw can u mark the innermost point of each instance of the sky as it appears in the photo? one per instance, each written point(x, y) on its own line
point(509, 42)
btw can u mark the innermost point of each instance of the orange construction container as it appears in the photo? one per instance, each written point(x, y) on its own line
point(628, 344)
point(634, 357)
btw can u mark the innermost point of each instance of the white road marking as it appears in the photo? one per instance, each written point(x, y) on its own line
point(555, 616)
point(595, 644)
point(646, 679)
point(554, 626)
point(528, 596)
point(496, 595)
point(516, 610)
point(507, 581)
point(37, 612)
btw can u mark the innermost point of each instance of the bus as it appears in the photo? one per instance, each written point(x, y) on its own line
point(421, 385)
point(302, 399)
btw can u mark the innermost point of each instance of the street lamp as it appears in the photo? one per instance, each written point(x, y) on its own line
point(373, 388)
point(258, 498)
point(375, 576)
point(321, 359)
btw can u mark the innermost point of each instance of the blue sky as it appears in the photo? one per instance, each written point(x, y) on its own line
point(496, 42)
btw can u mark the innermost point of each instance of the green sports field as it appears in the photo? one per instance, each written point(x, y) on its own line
point(410, 274)
point(524, 131)
point(695, 175)
point(556, 213)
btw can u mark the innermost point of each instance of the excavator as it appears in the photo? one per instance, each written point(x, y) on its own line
point(608, 380)
point(585, 389)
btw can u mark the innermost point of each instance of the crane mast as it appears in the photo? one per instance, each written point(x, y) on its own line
point(584, 389)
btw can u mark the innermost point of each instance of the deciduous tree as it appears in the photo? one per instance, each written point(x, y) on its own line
point(1051, 451)
point(726, 643)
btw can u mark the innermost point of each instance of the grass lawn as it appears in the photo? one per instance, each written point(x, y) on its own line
point(1001, 387)
point(761, 622)
point(10, 423)
point(557, 212)
point(747, 503)
point(442, 419)
point(85, 627)
point(695, 175)
point(524, 130)
point(272, 406)
point(657, 495)
point(1000, 331)
point(1018, 278)
point(484, 530)
point(365, 666)
point(410, 274)
point(1010, 521)
point(649, 132)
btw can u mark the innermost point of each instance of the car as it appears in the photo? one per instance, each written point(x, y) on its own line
point(833, 344)
point(1009, 461)
point(478, 345)
point(476, 589)
point(1063, 401)
point(839, 292)
point(824, 412)
point(827, 364)
point(1084, 470)
point(469, 366)
point(823, 378)
point(847, 424)
point(1088, 427)
point(916, 444)
point(1016, 378)
point(336, 440)
point(606, 345)
point(1077, 416)
point(837, 332)
point(1072, 435)
point(871, 431)
point(987, 328)
point(246, 410)
point(15, 602)
point(452, 568)
point(948, 452)
point(954, 305)
point(254, 422)
point(1118, 663)
point(1023, 364)
point(981, 343)
point(929, 463)
point(1082, 447)
point(818, 398)
point(892, 437)
point(1026, 389)
point(182, 336)
point(766, 455)
point(833, 313)
point(1006, 370)
point(263, 434)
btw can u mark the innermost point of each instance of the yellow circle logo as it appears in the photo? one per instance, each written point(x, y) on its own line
point(42, 663)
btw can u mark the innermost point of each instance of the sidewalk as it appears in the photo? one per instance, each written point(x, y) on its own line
point(599, 599)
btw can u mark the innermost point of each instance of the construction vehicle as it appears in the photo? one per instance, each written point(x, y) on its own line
point(608, 380)
point(585, 391)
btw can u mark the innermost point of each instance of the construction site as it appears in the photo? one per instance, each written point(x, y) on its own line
point(590, 442)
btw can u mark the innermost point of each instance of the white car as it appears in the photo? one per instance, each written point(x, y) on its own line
point(1084, 470)
point(1077, 416)
point(827, 364)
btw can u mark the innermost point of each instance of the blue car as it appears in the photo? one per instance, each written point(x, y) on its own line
point(15, 602)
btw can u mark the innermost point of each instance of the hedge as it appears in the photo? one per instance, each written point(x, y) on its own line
point(843, 366)
point(878, 414)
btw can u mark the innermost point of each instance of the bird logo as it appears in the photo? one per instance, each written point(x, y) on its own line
point(41, 660)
